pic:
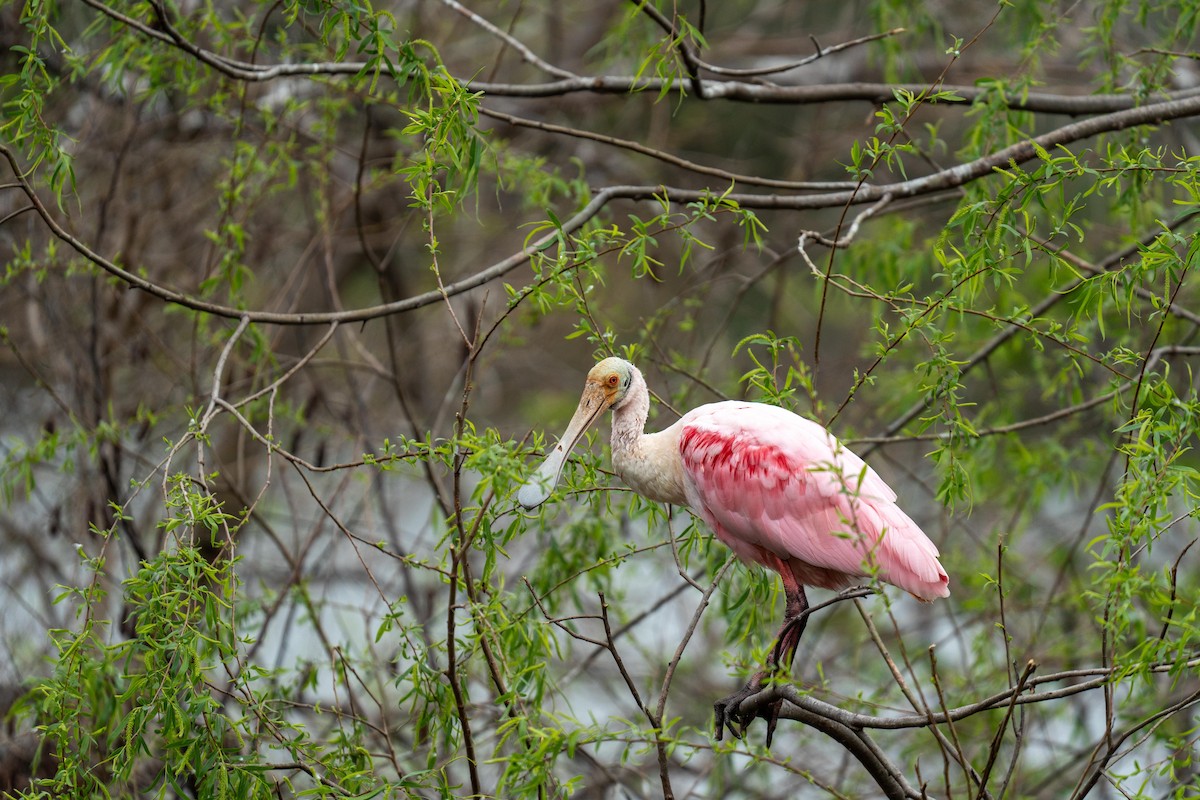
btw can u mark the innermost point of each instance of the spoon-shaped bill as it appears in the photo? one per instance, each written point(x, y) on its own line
point(542, 482)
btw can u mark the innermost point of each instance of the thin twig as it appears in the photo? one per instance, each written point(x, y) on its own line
point(665, 157)
point(510, 40)
point(660, 709)
point(758, 72)
point(994, 750)
point(842, 241)
point(958, 754)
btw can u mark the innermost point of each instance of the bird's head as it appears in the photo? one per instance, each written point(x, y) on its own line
point(606, 387)
point(609, 381)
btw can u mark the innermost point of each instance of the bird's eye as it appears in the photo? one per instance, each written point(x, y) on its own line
point(612, 380)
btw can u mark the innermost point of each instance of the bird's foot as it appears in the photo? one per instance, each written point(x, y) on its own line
point(727, 714)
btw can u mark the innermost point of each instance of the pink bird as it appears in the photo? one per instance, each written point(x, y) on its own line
point(778, 489)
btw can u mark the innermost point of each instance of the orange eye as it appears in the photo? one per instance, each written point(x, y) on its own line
point(612, 380)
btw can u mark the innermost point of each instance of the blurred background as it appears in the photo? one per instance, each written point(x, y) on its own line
point(1011, 352)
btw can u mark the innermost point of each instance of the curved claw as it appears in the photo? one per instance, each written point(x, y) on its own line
point(727, 716)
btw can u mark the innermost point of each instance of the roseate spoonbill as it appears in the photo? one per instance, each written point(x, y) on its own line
point(778, 489)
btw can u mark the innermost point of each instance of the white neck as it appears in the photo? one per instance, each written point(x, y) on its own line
point(629, 416)
point(648, 463)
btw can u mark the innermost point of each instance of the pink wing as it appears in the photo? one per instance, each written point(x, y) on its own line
point(777, 487)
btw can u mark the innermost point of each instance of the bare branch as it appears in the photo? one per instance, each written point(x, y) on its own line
point(667, 158)
point(950, 178)
point(998, 738)
point(886, 775)
point(1098, 677)
point(844, 240)
point(510, 41)
point(777, 69)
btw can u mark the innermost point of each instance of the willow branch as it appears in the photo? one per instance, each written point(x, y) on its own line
point(939, 181)
point(756, 91)
point(1052, 299)
point(497, 270)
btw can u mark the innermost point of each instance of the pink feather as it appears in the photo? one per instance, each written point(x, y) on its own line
point(777, 487)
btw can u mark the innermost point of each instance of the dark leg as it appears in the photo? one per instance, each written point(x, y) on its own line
point(795, 618)
point(782, 654)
